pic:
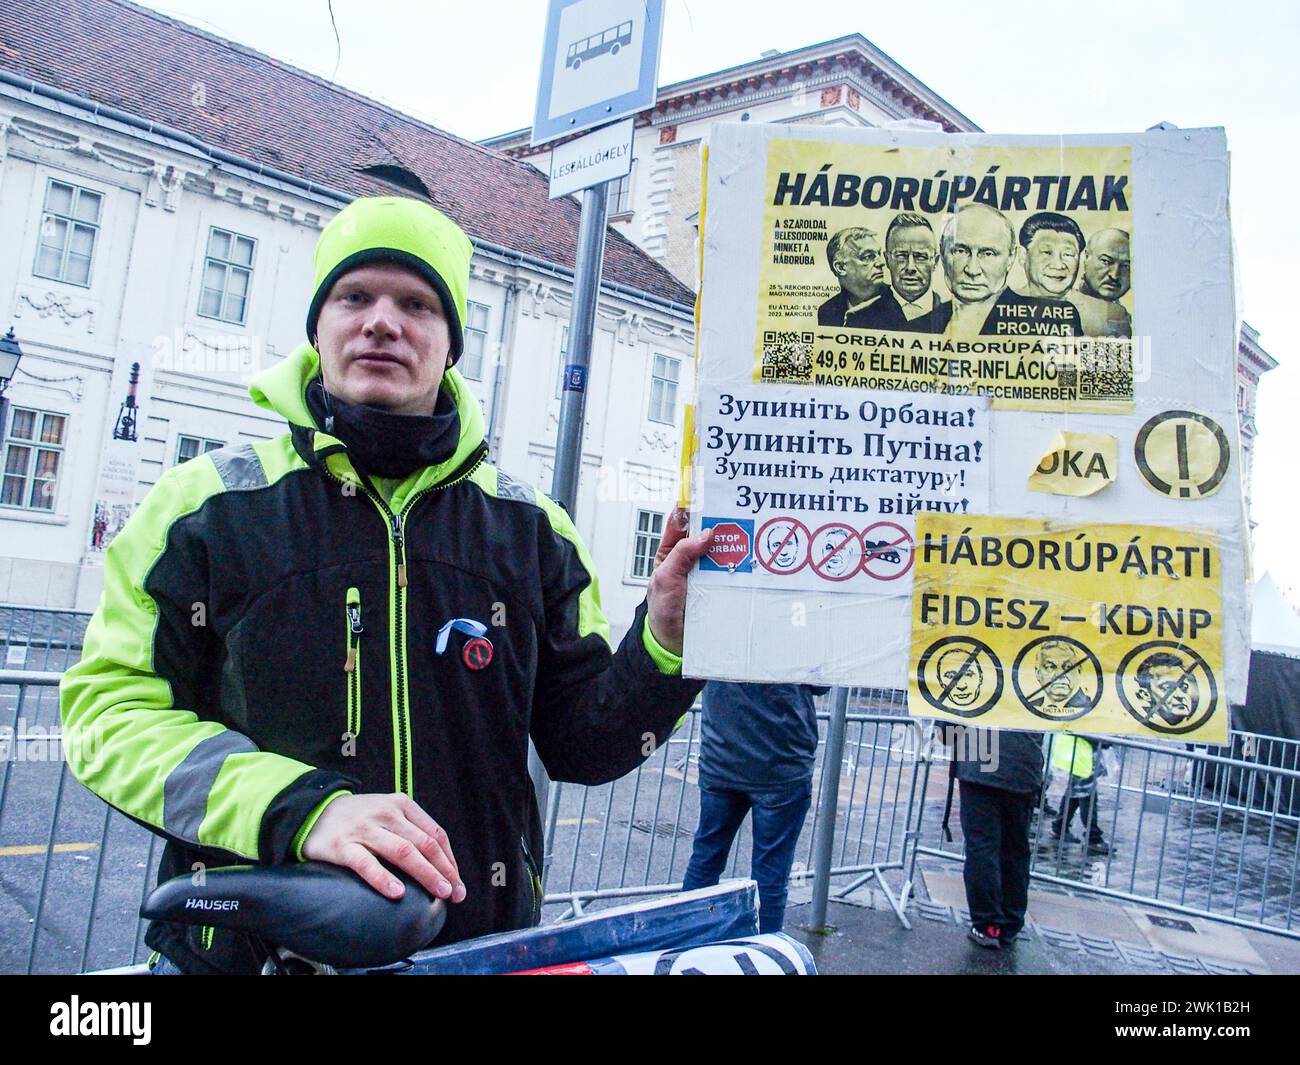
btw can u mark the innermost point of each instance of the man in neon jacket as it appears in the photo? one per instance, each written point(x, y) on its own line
point(335, 645)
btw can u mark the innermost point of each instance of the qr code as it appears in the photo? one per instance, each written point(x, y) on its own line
point(787, 356)
point(1105, 371)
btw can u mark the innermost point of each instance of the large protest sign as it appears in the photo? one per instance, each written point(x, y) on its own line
point(904, 335)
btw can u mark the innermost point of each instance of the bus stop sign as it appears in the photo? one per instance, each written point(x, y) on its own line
point(600, 63)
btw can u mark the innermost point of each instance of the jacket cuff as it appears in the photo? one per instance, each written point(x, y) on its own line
point(310, 823)
point(669, 664)
point(288, 811)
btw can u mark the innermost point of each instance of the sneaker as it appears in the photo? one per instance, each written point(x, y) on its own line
point(1064, 834)
point(1098, 847)
point(990, 935)
point(1008, 938)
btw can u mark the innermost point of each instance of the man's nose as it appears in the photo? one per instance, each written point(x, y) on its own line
point(383, 318)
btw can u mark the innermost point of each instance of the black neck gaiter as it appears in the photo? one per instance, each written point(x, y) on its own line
point(384, 444)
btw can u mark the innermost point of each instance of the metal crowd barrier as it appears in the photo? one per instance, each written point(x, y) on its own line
point(75, 870)
point(633, 837)
point(40, 640)
point(1206, 832)
point(1192, 831)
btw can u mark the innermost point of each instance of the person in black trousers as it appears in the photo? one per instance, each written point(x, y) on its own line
point(999, 774)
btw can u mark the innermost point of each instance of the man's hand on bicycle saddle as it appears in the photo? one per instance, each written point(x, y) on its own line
point(356, 830)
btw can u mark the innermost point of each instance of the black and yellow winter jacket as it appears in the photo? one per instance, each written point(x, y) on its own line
point(273, 633)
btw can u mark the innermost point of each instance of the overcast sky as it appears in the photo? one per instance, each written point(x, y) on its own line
point(1023, 66)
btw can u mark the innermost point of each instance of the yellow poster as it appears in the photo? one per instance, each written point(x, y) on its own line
point(1001, 272)
point(1085, 628)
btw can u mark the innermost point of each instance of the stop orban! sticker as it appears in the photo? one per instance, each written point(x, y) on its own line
point(732, 547)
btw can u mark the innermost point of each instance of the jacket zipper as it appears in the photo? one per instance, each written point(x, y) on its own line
point(397, 647)
point(352, 664)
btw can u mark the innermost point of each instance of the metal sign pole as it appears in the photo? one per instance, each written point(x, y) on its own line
point(568, 443)
point(828, 803)
point(623, 53)
point(582, 324)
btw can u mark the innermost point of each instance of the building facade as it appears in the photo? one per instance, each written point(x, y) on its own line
point(1252, 363)
point(138, 249)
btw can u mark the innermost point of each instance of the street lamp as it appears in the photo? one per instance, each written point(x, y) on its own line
point(128, 414)
point(10, 353)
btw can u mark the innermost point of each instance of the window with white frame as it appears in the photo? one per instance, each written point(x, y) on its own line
point(33, 453)
point(65, 247)
point(663, 389)
point(619, 195)
point(476, 325)
point(649, 531)
point(227, 275)
point(188, 447)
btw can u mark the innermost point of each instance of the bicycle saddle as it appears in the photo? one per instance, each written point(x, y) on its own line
point(320, 911)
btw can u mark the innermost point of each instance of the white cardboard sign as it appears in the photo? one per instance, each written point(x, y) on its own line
point(796, 217)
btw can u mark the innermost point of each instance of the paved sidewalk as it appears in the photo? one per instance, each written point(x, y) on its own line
point(1066, 934)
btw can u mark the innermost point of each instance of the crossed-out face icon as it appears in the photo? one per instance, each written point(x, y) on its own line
point(781, 546)
point(784, 546)
point(836, 552)
point(961, 676)
point(1167, 688)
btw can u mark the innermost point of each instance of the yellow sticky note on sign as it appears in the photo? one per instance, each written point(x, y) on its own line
point(1076, 464)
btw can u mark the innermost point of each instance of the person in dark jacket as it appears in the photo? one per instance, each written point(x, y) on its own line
point(999, 774)
point(757, 747)
point(337, 644)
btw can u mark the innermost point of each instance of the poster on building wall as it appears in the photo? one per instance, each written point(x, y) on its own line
point(115, 490)
point(1018, 346)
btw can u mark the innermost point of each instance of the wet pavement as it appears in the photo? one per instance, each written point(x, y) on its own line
point(1066, 934)
point(872, 942)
